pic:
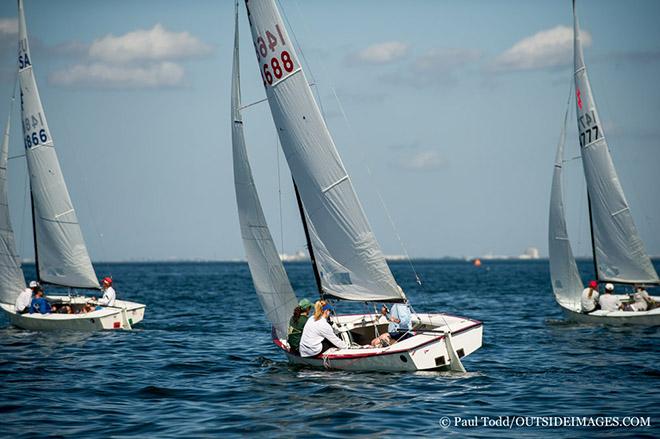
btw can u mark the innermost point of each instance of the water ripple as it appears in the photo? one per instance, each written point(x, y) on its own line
point(202, 364)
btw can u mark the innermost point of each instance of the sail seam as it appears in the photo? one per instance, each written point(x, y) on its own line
point(344, 178)
point(57, 221)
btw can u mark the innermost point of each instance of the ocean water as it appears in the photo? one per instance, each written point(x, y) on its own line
point(202, 365)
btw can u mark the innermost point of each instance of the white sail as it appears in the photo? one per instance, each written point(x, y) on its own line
point(12, 281)
point(61, 253)
point(270, 280)
point(348, 257)
point(619, 251)
point(566, 282)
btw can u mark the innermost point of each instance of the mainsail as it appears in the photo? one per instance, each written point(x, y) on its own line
point(350, 262)
point(618, 250)
point(60, 250)
point(270, 280)
point(566, 282)
point(12, 281)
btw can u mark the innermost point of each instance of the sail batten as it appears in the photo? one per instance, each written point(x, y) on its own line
point(350, 262)
point(60, 249)
point(268, 275)
point(619, 253)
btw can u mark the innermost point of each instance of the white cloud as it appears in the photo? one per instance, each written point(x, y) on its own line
point(545, 49)
point(8, 26)
point(150, 53)
point(164, 74)
point(381, 53)
point(8, 34)
point(155, 44)
point(427, 160)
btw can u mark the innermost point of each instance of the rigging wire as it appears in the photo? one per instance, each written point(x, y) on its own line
point(354, 139)
point(279, 191)
point(313, 83)
point(86, 199)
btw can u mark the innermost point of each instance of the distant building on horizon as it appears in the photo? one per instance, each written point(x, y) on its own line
point(530, 253)
point(300, 255)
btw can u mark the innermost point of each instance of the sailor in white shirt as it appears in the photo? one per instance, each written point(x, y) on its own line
point(109, 294)
point(589, 299)
point(24, 299)
point(609, 302)
point(641, 298)
point(317, 330)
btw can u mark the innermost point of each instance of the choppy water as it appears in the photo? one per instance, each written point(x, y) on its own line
point(202, 364)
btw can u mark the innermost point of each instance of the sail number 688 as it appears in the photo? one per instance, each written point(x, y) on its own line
point(277, 67)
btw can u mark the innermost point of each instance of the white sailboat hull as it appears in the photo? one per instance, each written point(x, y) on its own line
point(425, 350)
point(646, 318)
point(123, 315)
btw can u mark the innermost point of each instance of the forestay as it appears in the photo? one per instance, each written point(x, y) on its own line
point(349, 259)
point(60, 249)
point(270, 280)
point(566, 282)
point(12, 281)
point(619, 252)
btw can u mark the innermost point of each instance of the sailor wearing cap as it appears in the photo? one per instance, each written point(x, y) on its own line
point(24, 299)
point(109, 294)
point(297, 324)
point(589, 299)
point(608, 301)
point(318, 335)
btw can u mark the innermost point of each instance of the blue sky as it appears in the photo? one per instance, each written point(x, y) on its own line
point(455, 107)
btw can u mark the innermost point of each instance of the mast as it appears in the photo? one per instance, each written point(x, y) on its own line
point(301, 209)
point(593, 240)
point(34, 236)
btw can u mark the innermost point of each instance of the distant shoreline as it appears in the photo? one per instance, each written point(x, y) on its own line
point(391, 261)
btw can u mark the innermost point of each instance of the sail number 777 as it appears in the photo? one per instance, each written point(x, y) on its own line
point(589, 132)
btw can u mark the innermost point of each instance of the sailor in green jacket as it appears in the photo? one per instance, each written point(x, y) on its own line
point(297, 323)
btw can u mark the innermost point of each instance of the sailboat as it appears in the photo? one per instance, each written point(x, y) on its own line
point(618, 252)
point(346, 259)
point(61, 257)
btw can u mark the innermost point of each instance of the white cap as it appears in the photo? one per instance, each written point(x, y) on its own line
point(609, 287)
point(34, 284)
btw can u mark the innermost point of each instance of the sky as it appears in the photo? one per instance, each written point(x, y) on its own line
point(453, 110)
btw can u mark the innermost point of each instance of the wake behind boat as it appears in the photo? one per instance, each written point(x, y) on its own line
point(618, 252)
point(61, 257)
point(347, 261)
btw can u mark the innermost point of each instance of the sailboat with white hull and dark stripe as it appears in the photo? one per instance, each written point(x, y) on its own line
point(61, 257)
point(347, 261)
point(618, 252)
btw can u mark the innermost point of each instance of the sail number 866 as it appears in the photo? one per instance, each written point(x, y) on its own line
point(278, 66)
point(36, 138)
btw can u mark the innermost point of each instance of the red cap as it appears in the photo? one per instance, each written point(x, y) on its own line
point(593, 284)
point(107, 280)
